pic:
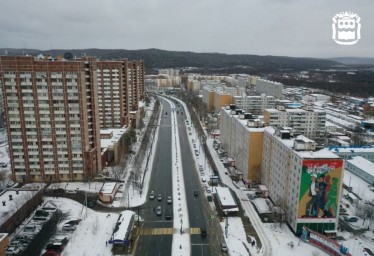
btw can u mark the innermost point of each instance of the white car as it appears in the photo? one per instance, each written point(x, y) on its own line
point(152, 195)
point(12, 251)
point(68, 227)
point(169, 200)
point(203, 179)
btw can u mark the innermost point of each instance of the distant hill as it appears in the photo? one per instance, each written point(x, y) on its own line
point(354, 61)
point(155, 58)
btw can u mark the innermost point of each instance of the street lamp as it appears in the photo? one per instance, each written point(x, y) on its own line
point(227, 224)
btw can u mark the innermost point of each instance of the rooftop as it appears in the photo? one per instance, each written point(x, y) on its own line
point(363, 164)
point(117, 133)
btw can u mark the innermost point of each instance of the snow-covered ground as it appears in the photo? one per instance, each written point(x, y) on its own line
point(92, 232)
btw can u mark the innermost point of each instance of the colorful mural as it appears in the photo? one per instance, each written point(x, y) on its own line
point(320, 188)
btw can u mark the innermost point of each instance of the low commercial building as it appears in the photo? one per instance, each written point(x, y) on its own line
point(108, 191)
point(346, 153)
point(361, 167)
point(226, 201)
point(112, 145)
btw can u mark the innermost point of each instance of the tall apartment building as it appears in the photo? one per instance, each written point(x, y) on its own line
point(292, 169)
point(112, 93)
point(243, 142)
point(270, 88)
point(310, 123)
point(254, 104)
point(208, 97)
point(52, 119)
point(135, 90)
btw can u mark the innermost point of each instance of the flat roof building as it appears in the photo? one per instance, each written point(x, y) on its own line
point(292, 169)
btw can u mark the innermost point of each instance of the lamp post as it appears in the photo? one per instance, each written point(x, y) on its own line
point(227, 224)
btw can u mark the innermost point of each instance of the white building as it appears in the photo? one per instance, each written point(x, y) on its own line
point(316, 97)
point(270, 88)
point(289, 166)
point(361, 167)
point(310, 123)
point(366, 152)
point(254, 104)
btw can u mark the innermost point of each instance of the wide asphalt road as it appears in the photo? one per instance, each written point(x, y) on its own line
point(161, 182)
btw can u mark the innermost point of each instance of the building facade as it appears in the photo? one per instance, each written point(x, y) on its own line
point(254, 104)
point(361, 167)
point(243, 143)
point(310, 123)
point(52, 119)
point(270, 88)
point(292, 169)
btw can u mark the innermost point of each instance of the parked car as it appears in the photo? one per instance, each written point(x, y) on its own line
point(343, 210)
point(196, 152)
point(16, 243)
point(71, 191)
point(12, 251)
point(31, 229)
point(68, 227)
point(224, 247)
point(152, 195)
point(196, 192)
point(73, 222)
point(203, 179)
point(169, 200)
point(159, 210)
point(350, 218)
point(159, 197)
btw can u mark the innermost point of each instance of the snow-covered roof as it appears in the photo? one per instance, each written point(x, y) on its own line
point(117, 133)
point(124, 222)
point(363, 164)
point(108, 188)
point(364, 149)
point(225, 197)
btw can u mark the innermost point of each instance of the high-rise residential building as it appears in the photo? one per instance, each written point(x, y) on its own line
point(242, 137)
point(254, 104)
point(52, 118)
point(112, 93)
point(310, 123)
point(270, 88)
point(135, 90)
point(54, 111)
point(306, 183)
point(208, 97)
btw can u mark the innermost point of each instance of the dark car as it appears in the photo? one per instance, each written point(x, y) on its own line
point(368, 251)
point(196, 192)
point(91, 203)
point(168, 214)
point(203, 231)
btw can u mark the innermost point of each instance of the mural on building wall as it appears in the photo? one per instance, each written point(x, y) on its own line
point(320, 188)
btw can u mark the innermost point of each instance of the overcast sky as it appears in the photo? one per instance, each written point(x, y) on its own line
point(264, 27)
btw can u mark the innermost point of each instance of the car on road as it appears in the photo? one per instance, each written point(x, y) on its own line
point(224, 247)
point(152, 195)
point(170, 200)
point(203, 231)
point(68, 227)
point(196, 192)
point(168, 214)
point(159, 210)
point(159, 197)
point(196, 152)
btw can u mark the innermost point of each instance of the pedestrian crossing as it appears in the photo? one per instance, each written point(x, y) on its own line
point(164, 231)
